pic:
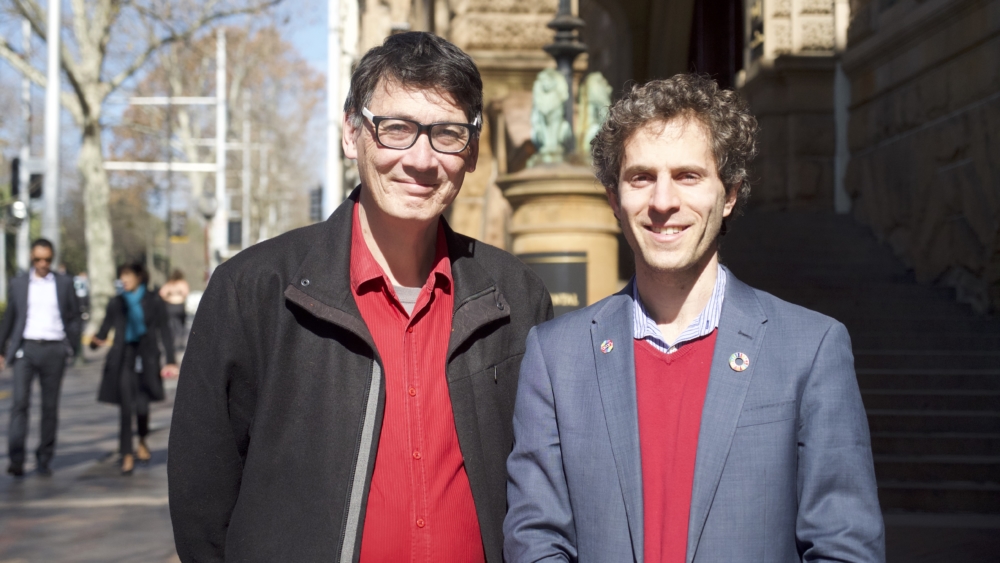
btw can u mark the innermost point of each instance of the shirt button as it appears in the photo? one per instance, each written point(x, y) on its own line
point(409, 329)
point(420, 522)
point(416, 455)
point(412, 391)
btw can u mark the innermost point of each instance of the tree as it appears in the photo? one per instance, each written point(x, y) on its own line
point(105, 44)
point(282, 93)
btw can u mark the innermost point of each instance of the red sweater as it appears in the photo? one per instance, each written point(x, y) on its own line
point(670, 392)
point(420, 506)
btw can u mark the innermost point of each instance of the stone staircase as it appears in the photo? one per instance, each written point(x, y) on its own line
point(928, 367)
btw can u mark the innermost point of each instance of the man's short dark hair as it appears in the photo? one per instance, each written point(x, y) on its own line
point(416, 59)
point(725, 115)
point(44, 243)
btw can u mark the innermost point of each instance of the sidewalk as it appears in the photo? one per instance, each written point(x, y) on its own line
point(86, 511)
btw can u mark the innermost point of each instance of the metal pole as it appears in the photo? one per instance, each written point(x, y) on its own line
point(220, 221)
point(24, 229)
point(564, 50)
point(50, 192)
point(333, 189)
point(264, 198)
point(245, 208)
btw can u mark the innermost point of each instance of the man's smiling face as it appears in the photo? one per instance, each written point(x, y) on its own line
point(670, 200)
point(417, 183)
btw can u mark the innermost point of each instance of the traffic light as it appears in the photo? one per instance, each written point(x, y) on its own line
point(35, 181)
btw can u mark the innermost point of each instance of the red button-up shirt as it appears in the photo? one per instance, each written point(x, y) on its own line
point(420, 506)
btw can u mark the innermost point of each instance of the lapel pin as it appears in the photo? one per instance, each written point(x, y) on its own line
point(607, 346)
point(739, 361)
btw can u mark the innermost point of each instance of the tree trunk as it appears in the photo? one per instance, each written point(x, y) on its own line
point(100, 255)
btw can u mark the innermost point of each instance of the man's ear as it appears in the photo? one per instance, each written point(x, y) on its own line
point(349, 138)
point(613, 202)
point(473, 158)
point(731, 196)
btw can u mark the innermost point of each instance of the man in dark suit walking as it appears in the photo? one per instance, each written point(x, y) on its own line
point(39, 331)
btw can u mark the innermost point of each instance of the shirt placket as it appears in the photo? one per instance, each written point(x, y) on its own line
point(415, 428)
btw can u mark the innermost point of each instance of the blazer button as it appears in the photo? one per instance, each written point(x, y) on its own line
point(305, 283)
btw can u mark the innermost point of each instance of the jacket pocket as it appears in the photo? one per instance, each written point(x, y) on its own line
point(763, 414)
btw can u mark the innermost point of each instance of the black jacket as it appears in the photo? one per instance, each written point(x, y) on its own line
point(280, 399)
point(16, 315)
point(157, 331)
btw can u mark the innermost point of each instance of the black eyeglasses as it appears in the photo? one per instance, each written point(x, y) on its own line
point(401, 134)
point(46, 260)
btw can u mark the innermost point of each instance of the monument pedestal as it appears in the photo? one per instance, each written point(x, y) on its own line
point(564, 229)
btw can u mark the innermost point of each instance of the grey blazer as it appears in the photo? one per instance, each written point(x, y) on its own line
point(784, 466)
point(16, 315)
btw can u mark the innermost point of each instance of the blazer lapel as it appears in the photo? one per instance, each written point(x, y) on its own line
point(741, 330)
point(616, 379)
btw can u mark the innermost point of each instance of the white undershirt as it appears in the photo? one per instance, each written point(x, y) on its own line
point(44, 321)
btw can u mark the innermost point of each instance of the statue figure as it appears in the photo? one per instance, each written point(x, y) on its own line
point(595, 99)
point(550, 132)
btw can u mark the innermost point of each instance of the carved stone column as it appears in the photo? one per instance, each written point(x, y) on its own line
point(789, 64)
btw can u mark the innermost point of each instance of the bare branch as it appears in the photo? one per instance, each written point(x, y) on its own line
point(19, 63)
point(173, 37)
point(33, 13)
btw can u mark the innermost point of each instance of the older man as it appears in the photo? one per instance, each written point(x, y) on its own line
point(348, 387)
point(690, 417)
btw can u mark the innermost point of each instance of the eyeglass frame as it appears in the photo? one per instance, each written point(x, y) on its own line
point(473, 128)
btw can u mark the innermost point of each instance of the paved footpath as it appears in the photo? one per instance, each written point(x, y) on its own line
point(87, 511)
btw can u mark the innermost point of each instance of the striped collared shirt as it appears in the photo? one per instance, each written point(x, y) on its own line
point(645, 328)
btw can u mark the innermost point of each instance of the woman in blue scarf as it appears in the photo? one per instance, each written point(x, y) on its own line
point(132, 373)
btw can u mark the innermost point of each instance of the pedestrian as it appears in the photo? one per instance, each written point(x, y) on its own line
point(348, 386)
point(40, 331)
point(175, 293)
point(690, 417)
point(132, 374)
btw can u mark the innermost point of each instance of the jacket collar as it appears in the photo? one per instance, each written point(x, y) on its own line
point(741, 329)
point(322, 285)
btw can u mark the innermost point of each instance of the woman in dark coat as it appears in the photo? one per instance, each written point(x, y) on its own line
point(132, 373)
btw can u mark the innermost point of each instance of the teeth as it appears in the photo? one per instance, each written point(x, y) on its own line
point(668, 230)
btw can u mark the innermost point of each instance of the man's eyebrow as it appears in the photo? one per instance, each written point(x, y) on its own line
point(635, 169)
point(690, 168)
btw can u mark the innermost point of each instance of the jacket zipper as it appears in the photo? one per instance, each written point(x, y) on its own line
point(357, 482)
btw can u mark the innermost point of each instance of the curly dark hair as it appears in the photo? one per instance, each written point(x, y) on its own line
point(726, 116)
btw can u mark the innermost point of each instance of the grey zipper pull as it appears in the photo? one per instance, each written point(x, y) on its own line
point(494, 374)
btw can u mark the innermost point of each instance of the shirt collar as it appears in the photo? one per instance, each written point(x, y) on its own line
point(645, 328)
point(48, 277)
point(365, 269)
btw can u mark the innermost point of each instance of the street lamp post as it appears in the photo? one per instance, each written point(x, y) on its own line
point(565, 49)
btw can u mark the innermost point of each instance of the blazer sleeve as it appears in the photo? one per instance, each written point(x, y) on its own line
point(209, 433)
point(7, 324)
point(539, 524)
point(839, 517)
point(74, 323)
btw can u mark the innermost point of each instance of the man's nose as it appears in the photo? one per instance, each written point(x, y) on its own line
point(665, 197)
point(421, 155)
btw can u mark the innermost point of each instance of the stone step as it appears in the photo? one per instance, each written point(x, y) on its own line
point(886, 420)
point(954, 342)
point(925, 359)
point(935, 443)
point(930, 379)
point(940, 326)
point(953, 497)
point(907, 399)
point(976, 469)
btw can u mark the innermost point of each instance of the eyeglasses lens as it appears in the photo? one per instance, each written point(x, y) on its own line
point(401, 134)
